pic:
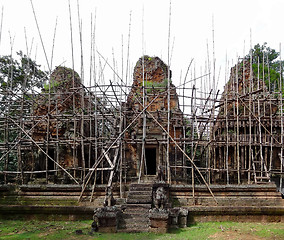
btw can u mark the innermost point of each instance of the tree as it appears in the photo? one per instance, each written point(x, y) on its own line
point(269, 54)
point(20, 75)
point(266, 66)
point(18, 78)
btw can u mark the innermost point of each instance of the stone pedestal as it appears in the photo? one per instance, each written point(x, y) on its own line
point(174, 217)
point(159, 220)
point(106, 219)
point(183, 217)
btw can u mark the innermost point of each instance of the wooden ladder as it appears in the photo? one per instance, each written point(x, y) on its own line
point(260, 172)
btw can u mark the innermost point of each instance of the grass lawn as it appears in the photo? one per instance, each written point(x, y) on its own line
point(35, 229)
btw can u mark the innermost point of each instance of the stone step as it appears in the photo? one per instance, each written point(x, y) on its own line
point(131, 221)
point(140, 193)
point(262, 182)
point(141, 200)
point(142, 217)
point(137, 222)
point(129, 225)
point(134, 230)
point(136, 211)
point(140, 197)
point(131, 195)
point(135, 216)
point(140, 187)
point(141, 190)
point(133, 206)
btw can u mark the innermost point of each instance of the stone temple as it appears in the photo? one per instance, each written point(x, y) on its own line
point(148, 156)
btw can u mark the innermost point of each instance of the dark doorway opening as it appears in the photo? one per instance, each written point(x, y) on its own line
point(150, 154)
point(50, 163)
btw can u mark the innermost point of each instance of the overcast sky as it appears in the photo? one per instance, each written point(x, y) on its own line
point(191, 31)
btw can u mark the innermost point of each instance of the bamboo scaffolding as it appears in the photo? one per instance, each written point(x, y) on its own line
point(224, 135)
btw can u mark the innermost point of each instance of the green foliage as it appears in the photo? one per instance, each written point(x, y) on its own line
point(18, 76)
point(260, 53)
point(266, 66)
point(61, 78)
point(35, 229)
point(155, 86)
point(270, 75)
point(21, 74)
point(52, 86)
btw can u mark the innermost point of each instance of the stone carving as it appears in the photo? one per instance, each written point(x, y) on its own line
point(109, 200)
point(95, 224)
point(159, 220)
point(174, 215)
point(183, 212)
point(106, 219)
point(160, 175)
point(160, 198)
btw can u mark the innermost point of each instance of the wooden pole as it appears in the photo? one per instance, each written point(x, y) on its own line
point(169, 102)
point(238, 128)
point(43, 150)
point(282, 126)
point(193, 164)
point(89, 175)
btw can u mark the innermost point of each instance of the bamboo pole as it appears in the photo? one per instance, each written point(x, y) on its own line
point(94, 186)
point(121, 122)
point(259, 125)
point(238, 127)
point(128, 46)
point(270, 111)
point(282, 126)
point(30, 130)
point(82, 92)
point(169, 101)
point(89, 96)
point(183, 105)
point(143, 154)
point(227, 130)
point(73, 86)
point(53, 44)
point(43, 150)
point(193, 164)
point(47, 62)
point(89, 175)
point(250, 125)
point(9, 98)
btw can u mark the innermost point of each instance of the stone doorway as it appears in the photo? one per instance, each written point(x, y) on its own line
point(151, 161)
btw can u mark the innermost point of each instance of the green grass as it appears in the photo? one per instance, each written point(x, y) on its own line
point(35, 229)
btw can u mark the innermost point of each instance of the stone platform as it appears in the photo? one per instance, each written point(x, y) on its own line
point(60, 202)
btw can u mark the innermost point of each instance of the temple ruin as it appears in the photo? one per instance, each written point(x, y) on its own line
point(117, 140)
point(247, 132)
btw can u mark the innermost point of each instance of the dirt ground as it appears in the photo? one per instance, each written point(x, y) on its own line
point(238, 235)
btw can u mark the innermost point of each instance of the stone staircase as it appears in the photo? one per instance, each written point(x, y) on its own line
point(135, 213)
